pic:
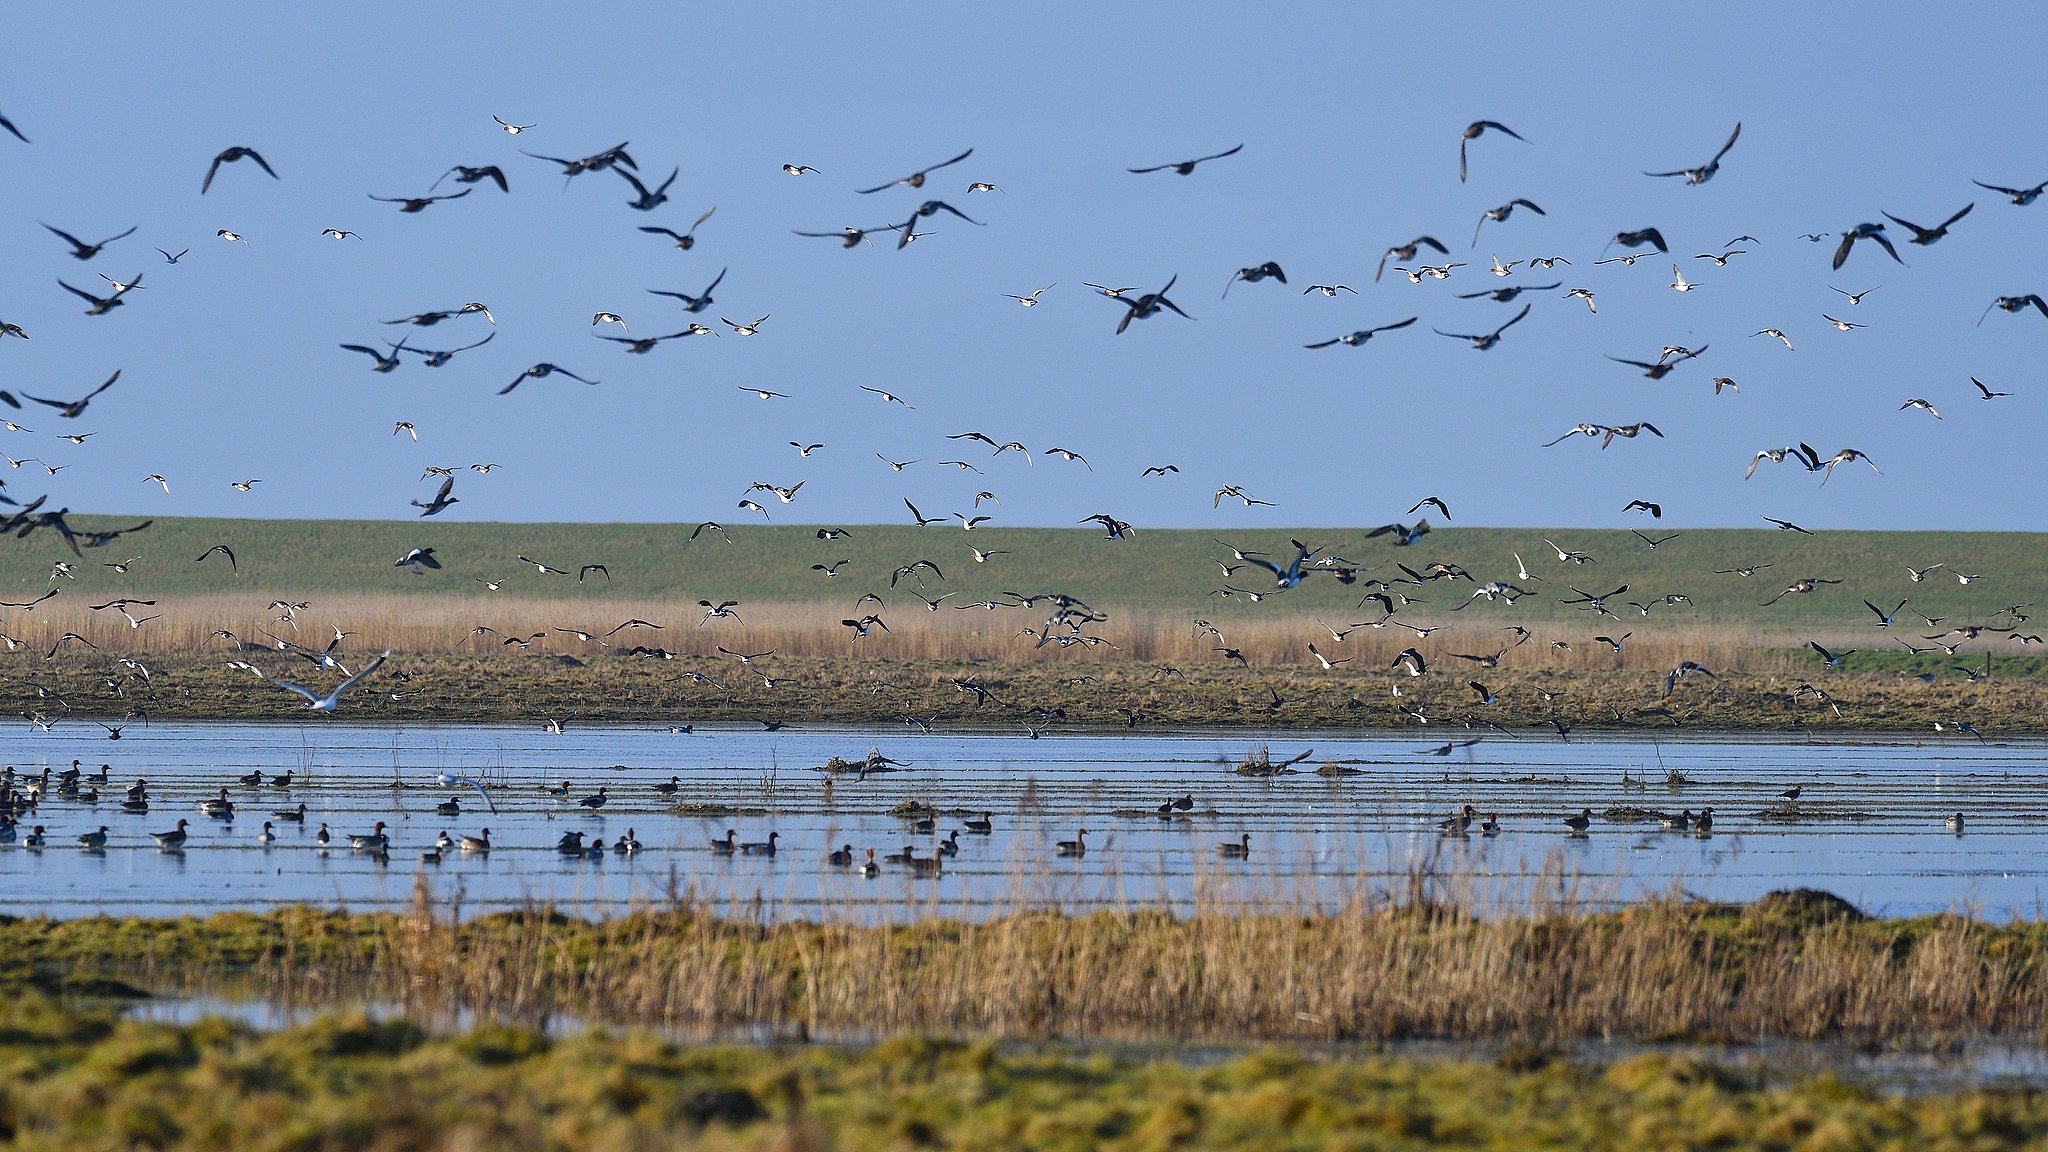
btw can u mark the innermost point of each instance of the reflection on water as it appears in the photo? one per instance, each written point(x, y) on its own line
point(1868, 824)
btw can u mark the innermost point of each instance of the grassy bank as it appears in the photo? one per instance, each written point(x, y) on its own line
point(1784, 690)
point(82, 1081)
point(1796, 967)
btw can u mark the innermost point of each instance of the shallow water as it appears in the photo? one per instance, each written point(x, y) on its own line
point(1869, 826)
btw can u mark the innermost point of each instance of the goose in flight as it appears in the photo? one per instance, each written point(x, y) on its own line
point(466, 175)
point(1926, 236)
point(413, 204)
point(229, 156)
point(1473, 131)
point(1884, 619)
point(694, 304)
point(2013, 304)
point(442, 499)
point(648, 201)
point(1362, 335)
point(384, 363)
point(924, 211)
point(83, 251)
point(2021, 197)
point(1508, 294)
point(1987, 393)
point(1403, 535)
point(1148, 305)
point(331, 700)
point(540, 371)
point(1705, 172)
point(1787, 526)
point(1254, 275)
point(1406, 252)
point(72, 409)
point(1799, 587)
point(1843, 457)
point(12, 130)
point(1186, 167)
point(418, 561)
point(684, 240)
point(1865, 231)
point(1569, 555)
point(99, 305)
point(1483, 343)
point(914, 180)
point(1500, 215)
point(1637, 239)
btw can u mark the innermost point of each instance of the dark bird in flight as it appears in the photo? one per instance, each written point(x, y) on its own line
point(230, 156)
point(1148, 304)
point(538, 371)
point(2020, 196)
point(929, 208)
point(442, 499)
point(223, 550)
point(1406, 252)
point(1705, 172)
point(605, 159)
point(847, 237)
point(1483, 343)
point(914, 180)
point(684, 240)
point(1926, 236)
point(694, 304)
point(410, 204)
point(466, 175)
point(1186, 167)
point(1254, 275)
point(101, 305)
point(12, 130)
point(1508, 294)
point(1788, 526)
point(1362, 335)
point(1500, 214)
point(1656, 511)
point(1472, 132)
point(647, 201)
point(80, 249)
point(72, 409)
point(2013, 304)
point(1650, 236)
point(1987, 393)
point(384, 363)
point(1865, 232)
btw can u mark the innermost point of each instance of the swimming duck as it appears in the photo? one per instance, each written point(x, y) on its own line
point(627, 845)
point(674, 785)
point(443, 842)
point(322, 836)
point(871, 869)
point(1459, 823)
point(35, 837)
point(1242, 850)
point(1703, 824)
point(1491, 825)
point(253, 779)
point(1953, 824)
point(267, 836)
point(1679, 823)
point(430, 855)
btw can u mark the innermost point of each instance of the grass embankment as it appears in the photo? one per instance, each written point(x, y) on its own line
point(1152, 589)
point(82, 1081)
point(1078, 694)
point(1798, 967)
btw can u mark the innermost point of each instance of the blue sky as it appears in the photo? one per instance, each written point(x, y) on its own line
point(1349, 116)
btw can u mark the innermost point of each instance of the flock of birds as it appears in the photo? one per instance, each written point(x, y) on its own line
point(1071, 622)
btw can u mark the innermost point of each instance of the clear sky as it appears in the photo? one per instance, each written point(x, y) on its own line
point(1349, 115)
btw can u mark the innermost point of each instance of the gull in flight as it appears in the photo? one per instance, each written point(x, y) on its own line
point(331, 700)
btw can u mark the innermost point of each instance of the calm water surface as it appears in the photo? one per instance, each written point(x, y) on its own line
point(1868, 827)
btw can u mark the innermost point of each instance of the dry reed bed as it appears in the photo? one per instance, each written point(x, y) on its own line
point(446, 626)
point(1799, 966)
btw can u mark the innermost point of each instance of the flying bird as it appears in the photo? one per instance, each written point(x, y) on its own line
point(1500, 214)
point(1362, 335)
point(1926, 236)
point(914, 180)
point(412, 204)
point(230, 156)
point(1865, 232)
point(1650, 236)
point(1483, 343)
point(1186, 167)
point(2015, 305)
point(1704, 172)
point(2021, 197)
point(539, 371)
point(1406, 252)
point(1254, 275)
point(81, 250)
point(329, 702)
point(1472, 132)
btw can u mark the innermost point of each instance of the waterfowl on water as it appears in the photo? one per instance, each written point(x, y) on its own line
point(727, 846)
point(1078, 846)
point(175, 838)
point(481, 842)
point(760, 847)
point(1242, 850)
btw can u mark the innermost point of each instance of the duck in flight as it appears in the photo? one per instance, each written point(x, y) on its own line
point(1483, 343)
point(1406, 252)
point(229, 156)
point(914, 180)
point(1473, 131)
point(1362, 335)
point(1186, 167)
point(1705, 172)
point(1865, 231)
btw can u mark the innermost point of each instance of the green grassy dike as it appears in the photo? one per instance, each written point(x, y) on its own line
point(81, 1081)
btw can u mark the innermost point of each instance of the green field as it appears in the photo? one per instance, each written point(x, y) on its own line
point(1172, 572)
